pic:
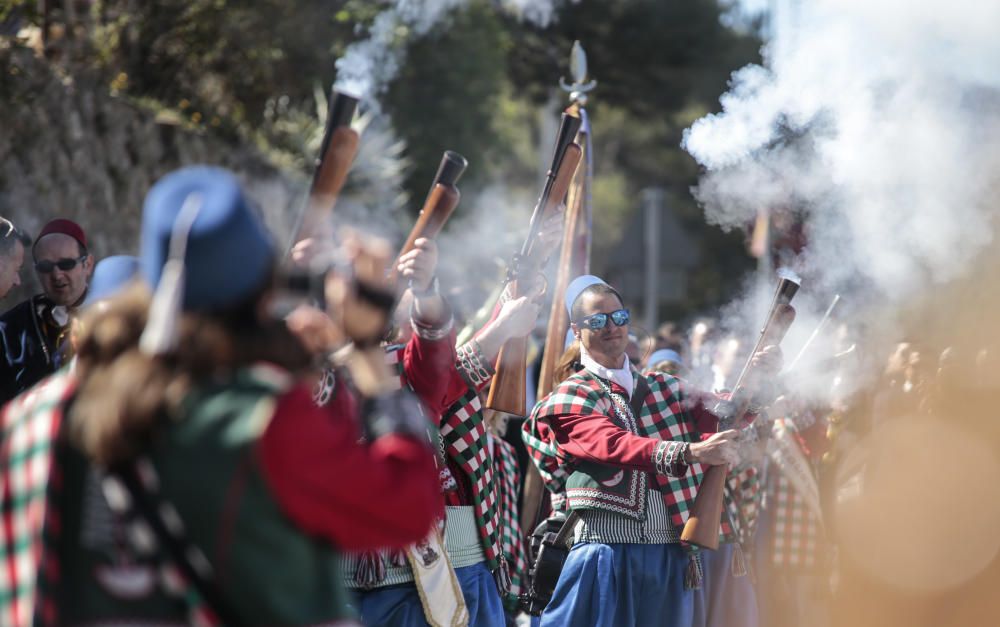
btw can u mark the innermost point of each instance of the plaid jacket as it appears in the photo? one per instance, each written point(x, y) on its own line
point(30, 428)
point(463, 429)
point(509, 481)
point(797, 532)
point(743, 495)
point(663, 417)
point(464, 436)
point(798, 539)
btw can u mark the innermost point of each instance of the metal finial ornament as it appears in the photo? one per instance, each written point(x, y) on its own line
point(578, 66)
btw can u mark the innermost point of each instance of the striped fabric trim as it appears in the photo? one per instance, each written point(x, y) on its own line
point(461, 540)
point(606, 527)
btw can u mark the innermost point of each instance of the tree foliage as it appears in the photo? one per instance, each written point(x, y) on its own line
point(249, 70)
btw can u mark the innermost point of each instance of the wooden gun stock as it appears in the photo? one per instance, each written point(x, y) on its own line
point(439, 205)
point(508, 394)
point(703, 523)
point(555, 338)
point(337, 152)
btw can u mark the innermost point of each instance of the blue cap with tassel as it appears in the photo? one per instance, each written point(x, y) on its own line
point(202, 249)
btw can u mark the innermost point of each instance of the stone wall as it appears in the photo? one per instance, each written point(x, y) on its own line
point(70, 149)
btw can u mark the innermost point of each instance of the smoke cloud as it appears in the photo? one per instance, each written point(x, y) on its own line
point(369, 65)
point(878, 121)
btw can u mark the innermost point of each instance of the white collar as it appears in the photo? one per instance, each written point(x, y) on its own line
point(622, 376)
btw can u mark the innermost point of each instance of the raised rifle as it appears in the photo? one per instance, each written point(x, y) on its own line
point(702, 526)
point(439, 205)
point(336, 154)
point(507, 393)
point(574, 260)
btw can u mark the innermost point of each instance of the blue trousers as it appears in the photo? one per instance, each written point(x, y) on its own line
point(724, 600)
point(618, 585)
point(399, 606)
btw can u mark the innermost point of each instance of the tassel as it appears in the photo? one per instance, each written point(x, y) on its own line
point(738, 566)
point(160, 335)
point(371, 570)
point(501, 576)
point(398, 559)
point(693, 574)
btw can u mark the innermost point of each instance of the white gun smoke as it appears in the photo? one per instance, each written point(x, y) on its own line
point(877, 122)
point(881, 121)
point(369, 65)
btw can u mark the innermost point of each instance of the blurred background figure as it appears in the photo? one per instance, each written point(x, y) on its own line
point(13, 243)
point(724, 363)
point(33, 331)
point(666, 360)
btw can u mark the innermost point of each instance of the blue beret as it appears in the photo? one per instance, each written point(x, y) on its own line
point(576, 287)
point(664, 354)
point(229, 253)
point(111, 274)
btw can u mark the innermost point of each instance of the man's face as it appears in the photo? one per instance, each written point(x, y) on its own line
point(64, 287)
point(10, 269)
point(612, 339)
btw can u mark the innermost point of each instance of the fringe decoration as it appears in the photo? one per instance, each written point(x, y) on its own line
point(371, 570)
point(738, 566)
point(693, 574)
point(398, 559)
point(501, 576)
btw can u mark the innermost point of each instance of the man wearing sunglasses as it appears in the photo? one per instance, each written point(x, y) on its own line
point(32, 332)
point(626, 450)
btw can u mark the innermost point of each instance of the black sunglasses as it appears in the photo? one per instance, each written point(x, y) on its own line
point(45, 267)
point(598, 321)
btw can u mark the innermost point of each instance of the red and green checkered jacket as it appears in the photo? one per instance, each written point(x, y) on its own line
point(30, 428)
point(742, 496)
point(463, 429)
point(463, 432)
point(509, 481)
point(798, 541)
point(797, 533)
point(590, 433)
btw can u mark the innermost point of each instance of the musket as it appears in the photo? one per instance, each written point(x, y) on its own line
point(702, 526)
point(441, 201)
point(574, 254)
point(574, 260)
point(507, 393)
point(336, 154)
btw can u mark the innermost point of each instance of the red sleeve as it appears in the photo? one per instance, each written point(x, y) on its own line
point(596, 438)
point(359, 496)
point(429, 367)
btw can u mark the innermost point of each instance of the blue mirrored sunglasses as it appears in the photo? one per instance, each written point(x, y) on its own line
point(598, 321)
